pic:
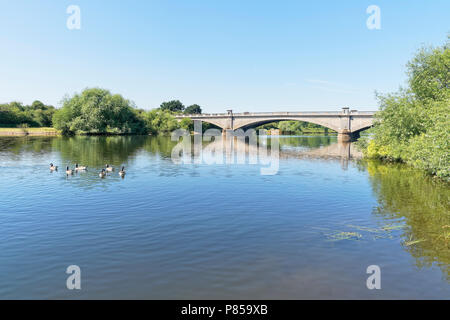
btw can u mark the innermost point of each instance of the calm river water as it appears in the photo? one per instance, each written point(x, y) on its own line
point(207, 231)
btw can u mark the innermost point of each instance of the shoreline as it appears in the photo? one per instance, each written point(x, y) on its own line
point(22, 132)
point(47, 131)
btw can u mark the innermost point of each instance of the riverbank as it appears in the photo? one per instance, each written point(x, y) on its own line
point(44, 131)
point(47, 131)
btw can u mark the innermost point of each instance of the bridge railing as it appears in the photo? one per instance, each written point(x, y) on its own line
point(274, 114)
point(283, 113)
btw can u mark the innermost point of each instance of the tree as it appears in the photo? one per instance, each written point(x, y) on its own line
point(193, 109)
point(159, 121)
point(37, 105)
point(413, 125)
point(96, 110)
point(187, 123)
point(429, 73)
point(173, 106)
point(16, 114)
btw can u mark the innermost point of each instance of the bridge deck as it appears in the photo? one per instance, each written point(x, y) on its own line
point(277, 114)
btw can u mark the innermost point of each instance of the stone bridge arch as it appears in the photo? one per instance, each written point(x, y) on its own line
point(347, 123)
point(249, 123)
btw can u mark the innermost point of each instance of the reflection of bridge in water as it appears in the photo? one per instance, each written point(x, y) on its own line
point(343, 151)
point(233, 147)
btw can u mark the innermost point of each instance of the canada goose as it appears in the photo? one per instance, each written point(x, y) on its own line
point(102, 173)
point(122, 172)
point(108, 168)
point(79, 167)
point(69, 171)
point(53, 168)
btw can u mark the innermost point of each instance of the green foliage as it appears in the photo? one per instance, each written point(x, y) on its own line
point(429, 73)
point(15, 114)
point(97, 111)
point(187, 123)
point(193, 109)
point(431, 149)
point(413, 125)
point(173, 106)
point(295, 127)
point(160, 122)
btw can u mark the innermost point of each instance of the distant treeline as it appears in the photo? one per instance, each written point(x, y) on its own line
point(295, 127)
point(16, 114)
point(97, 111)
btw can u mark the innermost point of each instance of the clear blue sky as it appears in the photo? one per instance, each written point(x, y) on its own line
point(244, 55)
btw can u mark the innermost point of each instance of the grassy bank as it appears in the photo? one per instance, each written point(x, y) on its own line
point(44, 131)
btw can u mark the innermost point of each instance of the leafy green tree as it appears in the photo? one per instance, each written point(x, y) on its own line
point(97, 111)
point(62, 119)
point(16, 114)
point(193, 109)
point(160, 122)
point(291, 126)
point(429, 73)
point(295, 127)
point(187, 123)
point(173, 106)
point(38, 105)
point(413, 125)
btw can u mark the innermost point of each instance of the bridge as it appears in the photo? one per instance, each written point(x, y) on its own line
point(347, 123)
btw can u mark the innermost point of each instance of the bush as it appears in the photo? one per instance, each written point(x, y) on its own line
point(413, 125)
point(160, 122)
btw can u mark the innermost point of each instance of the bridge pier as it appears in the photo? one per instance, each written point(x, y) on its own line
point(198, 127)
point(348, 136)
point(227, 132)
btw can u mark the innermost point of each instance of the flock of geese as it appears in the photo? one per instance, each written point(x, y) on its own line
point(78, 168)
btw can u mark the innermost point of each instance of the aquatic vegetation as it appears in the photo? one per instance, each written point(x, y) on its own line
point(393, 227)
point(365, 228)
point(344, 236)
point(383, 232)
point(412, 242)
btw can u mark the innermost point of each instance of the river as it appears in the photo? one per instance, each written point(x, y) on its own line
point(217, 230)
